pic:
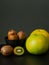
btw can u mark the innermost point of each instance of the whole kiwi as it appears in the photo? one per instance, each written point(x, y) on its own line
point(21, 35)
point(7, 50)
point(12, 35)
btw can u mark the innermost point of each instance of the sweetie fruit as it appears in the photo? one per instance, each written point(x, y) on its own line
point(18, 50)
point(37, 44)
point(7, 50)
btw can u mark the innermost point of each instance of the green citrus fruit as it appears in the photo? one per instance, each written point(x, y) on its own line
point(37, 44)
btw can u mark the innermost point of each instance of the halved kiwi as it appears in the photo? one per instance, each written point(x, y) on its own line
point(18, 50)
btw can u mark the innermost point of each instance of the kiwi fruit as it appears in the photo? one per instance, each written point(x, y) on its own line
point(6, 50)
point(12, 35)
point(12, 32)
point(21, 35)
point(18, 50)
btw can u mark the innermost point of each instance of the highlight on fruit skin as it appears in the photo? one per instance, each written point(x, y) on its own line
point(18, 50)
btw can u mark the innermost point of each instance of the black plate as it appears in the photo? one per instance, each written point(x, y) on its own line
point(15, 43)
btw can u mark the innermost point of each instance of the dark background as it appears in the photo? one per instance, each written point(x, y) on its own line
point(24, 15)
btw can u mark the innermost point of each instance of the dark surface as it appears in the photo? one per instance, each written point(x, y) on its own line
point(26, 59)
point(24, 15)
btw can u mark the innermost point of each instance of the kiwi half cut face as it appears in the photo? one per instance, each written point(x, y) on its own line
point(18, 50)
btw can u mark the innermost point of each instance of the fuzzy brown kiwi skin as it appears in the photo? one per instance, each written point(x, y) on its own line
point(12, 35)
point(1, 45)
point(7, 50)
point(22, 38)
point(12, 32)
point(21, 35)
